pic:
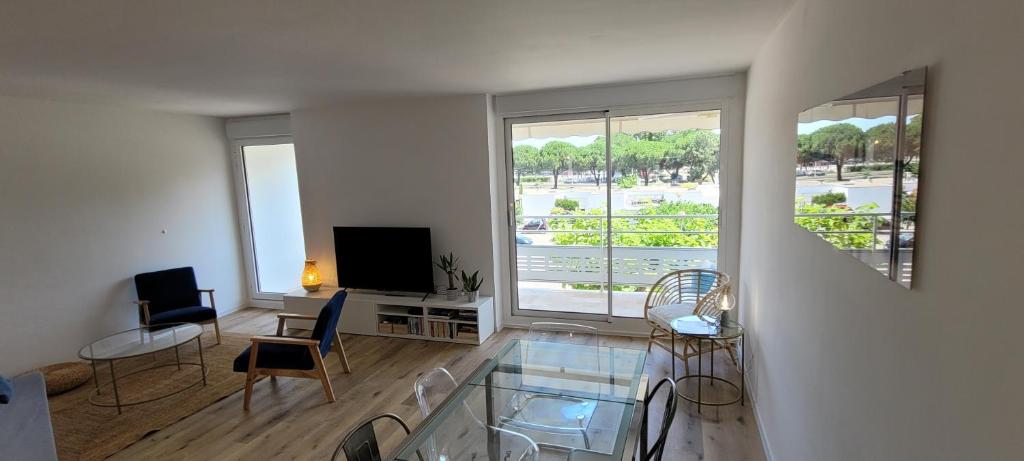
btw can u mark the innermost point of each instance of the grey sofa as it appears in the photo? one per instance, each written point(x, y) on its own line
point(25, 431)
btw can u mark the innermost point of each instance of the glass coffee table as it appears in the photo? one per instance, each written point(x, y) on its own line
point(138, 342)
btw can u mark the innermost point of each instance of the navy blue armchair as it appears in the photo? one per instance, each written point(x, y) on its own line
point(172, 296)
point(296, 357)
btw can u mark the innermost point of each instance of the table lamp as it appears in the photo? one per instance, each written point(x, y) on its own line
point(311, 276)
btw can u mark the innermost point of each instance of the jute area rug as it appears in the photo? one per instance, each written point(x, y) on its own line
point(86, 432)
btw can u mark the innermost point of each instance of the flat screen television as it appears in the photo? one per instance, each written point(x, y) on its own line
point(393, 259)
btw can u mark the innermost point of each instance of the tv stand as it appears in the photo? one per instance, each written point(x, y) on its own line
point(431, 317)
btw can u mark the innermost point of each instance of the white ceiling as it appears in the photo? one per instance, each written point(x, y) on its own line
point(239, 57)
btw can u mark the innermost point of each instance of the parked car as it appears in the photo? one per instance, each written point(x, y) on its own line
point(523, 240)
point(536, 224)
point(906, 241)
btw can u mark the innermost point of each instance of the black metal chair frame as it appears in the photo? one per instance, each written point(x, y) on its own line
point(658, 448)
point(372, 439)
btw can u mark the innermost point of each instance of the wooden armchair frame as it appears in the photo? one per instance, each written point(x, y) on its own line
point(213, 305)
point(318, 372)
point(675, 288)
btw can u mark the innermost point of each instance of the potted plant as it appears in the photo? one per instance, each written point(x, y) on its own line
point(471, 285)
point(450, 264)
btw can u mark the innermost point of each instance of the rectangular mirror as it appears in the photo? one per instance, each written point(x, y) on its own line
point(857, 164)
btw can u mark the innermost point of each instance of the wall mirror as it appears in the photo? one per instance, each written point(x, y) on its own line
point(857, 164)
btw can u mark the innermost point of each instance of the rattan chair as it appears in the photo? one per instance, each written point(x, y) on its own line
point(678, 294)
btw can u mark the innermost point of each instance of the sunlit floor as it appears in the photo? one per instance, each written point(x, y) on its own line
point(291, 420)
point(545, 296)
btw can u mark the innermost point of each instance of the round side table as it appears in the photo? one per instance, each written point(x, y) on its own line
point(701, 329)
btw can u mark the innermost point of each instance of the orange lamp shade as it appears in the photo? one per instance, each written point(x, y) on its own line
point(311, 276)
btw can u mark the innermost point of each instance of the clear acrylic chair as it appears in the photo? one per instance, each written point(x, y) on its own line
point(554, 414)
point(432, 388)
point(481, 442)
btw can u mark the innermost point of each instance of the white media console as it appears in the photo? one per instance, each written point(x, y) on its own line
point(434, 318)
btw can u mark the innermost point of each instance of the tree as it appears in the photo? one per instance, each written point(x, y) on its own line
point(881, 141)
point(555, 156)
point(839, 142)
point(590, 158)
point(670, 224)
point(649, 136)
point(525, 159)
point(847, 229)
point(913, 140)
point(806, 155)
point(621, 143)
point(700, 155)
point(645, 157)
point(676, 147)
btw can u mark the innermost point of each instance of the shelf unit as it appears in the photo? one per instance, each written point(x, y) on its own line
point(434, 318)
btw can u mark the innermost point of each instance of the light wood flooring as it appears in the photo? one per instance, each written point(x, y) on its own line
point(290, 419)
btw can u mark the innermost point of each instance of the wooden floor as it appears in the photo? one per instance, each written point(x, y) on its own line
point(291, 420)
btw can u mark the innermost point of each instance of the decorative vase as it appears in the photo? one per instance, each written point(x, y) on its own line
point(472, 295)
point(453, 294)
point(311, 276)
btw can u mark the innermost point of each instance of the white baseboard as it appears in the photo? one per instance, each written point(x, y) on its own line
point(760, 424)
point(526, 326)
point(266, 304)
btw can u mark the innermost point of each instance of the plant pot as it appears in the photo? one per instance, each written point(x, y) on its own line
point(472, 295)
point(453, 294)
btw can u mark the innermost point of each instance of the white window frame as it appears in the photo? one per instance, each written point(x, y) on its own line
point(730, 179)
point(257, 298)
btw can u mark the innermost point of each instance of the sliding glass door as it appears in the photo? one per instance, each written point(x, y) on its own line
point(272, 216)
point(604, 204)
point(559, 211)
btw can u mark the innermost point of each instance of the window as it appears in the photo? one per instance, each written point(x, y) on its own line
point(272, 216)
point(640, 191)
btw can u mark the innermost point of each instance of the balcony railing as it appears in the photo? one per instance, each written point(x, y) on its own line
point(880, 227)
point(642, 266)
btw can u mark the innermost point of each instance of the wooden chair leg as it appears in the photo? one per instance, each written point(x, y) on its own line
point(340, 349)
point(322, 371)
point(250, 376)
point(216, 328)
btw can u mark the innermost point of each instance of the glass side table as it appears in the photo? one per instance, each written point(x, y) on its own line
point(700, 329)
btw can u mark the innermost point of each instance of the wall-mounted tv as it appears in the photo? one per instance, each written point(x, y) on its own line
point(393, 259)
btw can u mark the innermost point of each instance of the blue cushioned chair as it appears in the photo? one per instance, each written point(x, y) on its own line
point(293, 356)
point(172, 296)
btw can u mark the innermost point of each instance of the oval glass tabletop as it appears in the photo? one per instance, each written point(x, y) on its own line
point(140, 341)
point(706, 327)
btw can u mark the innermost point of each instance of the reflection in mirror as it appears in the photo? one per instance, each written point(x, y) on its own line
point(857, 164)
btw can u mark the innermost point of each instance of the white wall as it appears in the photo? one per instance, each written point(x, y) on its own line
point(85, 193)
point(845, 364)
point(414, 162)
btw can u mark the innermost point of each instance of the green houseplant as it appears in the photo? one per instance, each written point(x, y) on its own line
point(450, 265)
point(471, 285)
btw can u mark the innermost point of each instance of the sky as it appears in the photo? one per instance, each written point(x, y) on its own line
point(862, 123)
point(578, 141)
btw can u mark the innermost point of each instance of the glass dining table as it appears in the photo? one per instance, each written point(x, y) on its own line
point(584, 400)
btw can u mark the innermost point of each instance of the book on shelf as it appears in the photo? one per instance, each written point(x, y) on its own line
point(470, 332)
